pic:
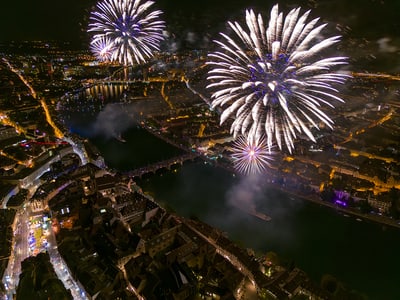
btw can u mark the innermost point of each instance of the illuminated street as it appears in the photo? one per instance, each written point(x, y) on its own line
point(200, 149)
point(34, 234)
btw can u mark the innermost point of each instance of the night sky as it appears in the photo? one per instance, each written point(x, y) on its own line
point(194, 23)
point(67, 20)
point(43, 19)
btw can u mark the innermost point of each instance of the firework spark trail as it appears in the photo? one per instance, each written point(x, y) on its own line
point(133, 29)
point(251, 157)
point(271, 80)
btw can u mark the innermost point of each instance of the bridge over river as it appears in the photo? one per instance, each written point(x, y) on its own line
point(167, 164)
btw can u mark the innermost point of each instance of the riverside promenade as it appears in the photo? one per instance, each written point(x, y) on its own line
point(315, 198)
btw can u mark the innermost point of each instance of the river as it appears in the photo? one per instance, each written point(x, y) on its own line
point(319, 240)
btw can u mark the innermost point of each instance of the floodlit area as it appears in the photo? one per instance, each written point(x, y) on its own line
point(39, 230)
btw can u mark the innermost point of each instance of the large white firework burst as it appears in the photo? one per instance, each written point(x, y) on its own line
point(135, 31)
point(274, 80)
point(251, 156)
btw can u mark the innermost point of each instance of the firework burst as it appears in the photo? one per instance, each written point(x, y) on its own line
point(102, 48)
point(134, 30)
point(251, 157)
point(273, 80)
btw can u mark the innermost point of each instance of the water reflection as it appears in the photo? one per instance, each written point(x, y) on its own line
point(105, 91)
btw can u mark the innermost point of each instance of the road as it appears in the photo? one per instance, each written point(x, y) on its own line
point(19, 252)
point(25, 225)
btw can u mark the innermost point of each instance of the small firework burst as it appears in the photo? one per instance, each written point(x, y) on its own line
point(251, 156)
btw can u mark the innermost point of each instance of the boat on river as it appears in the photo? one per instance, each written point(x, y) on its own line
point(253, 212)
point(259, 215)
point(120, 138)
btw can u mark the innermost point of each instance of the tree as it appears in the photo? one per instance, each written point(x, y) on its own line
point(327, 194)
point(329, 283)
point(271, 258)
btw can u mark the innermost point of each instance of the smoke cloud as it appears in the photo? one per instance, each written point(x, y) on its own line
point(112, 121)
point(115, 118)
point(385, 45)
point(251, 193)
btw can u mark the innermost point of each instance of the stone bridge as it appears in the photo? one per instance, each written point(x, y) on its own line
point(167, 164)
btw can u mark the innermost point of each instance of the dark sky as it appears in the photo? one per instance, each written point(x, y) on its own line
point(66, 19)
point(43, 19)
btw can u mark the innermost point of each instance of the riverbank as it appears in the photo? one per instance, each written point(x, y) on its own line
point(314, 198)
point(352, 212)
point(315, 238)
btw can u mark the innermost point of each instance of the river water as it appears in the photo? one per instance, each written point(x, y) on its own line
point(319, 240)
point(362, 255)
